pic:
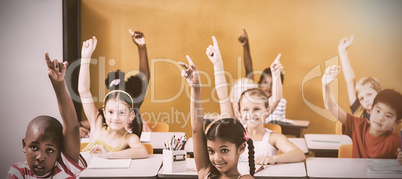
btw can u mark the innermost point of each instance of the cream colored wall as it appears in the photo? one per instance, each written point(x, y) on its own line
point(307, 34)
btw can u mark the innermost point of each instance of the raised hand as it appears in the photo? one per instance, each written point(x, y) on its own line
point(265, 160)
point(213, 52)
point(190, 73)
point(330, 73)
point(138, 37)
point(276, 66)
point(243, 39)
point(88, 47)
point(56, 69)
point(345, 43)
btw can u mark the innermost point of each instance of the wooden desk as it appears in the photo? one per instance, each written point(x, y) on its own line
point(139, 168)
point(156, 139)
point(326, 145)
point(291, 170)
point(295, 129)
point(344, 168)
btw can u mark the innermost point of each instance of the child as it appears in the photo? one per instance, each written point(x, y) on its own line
point(277, 105)
point(137, 84)
point(374, 138)
point(362, 95)
point(238, 88)
point(223, 142)
point(108, 136)
point(267, 142)
point(52, 151)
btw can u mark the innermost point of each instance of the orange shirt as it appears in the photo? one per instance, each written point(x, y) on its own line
point(368, 146)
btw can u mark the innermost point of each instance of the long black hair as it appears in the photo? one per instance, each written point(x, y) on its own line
point(131, 92)
point(231, 130)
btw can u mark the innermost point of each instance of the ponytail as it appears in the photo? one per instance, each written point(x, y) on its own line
point(251, 163)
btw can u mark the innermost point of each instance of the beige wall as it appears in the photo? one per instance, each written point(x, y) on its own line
point(307, 34)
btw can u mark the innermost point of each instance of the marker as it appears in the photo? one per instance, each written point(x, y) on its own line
point(262, 167)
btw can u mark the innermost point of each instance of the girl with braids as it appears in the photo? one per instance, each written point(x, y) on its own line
point(108, 136)
point(216, 153)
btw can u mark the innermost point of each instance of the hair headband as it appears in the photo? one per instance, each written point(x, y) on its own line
point(118, 91)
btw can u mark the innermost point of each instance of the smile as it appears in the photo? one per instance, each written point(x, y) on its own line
point(220, 165)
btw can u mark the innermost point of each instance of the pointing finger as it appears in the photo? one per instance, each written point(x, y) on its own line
point(215, 42)
point(244, 31)
point(277, 58)
point(190, 62)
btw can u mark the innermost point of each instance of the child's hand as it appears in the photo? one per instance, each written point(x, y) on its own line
point(276, 66)
point(138, 37)
point(345, 43)
point(330, 74)
point(243, 39)
point(56, 69)
point(213, 52)
point(190, 73)
point(265, 160)
point(88, 47)
point(84, 132)
point(99, 150)
point(399, 159)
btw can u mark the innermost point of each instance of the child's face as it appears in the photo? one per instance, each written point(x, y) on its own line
point(253, 111)
point(382, 117)
point(266, 85)
point(366, 97)
point(42, 150)
point(117, 114)
point(224, 155)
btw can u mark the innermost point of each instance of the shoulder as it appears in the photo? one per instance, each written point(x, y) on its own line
point(19, 170)
point(274, 137)
point(246, 176)
point(132, 138)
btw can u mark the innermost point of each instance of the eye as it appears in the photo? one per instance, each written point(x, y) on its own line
point(49, 150)
point(110, 112)
point(34, 148)
point(211, 152)
point(224, 150)
point(122, 112)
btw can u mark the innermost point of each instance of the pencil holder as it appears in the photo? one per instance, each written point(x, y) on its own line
point(174, 160)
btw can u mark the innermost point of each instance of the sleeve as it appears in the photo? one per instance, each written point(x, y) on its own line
point(14, 173)
point(279, 114)
point(348, 127)
point(354, 106)
point(73, 167)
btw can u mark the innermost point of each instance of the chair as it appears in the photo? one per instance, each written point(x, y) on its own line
point(83, 145)
point(345, 151)
point(338, 128)
point(158, 127)
point(149, 147)
point(274, 127)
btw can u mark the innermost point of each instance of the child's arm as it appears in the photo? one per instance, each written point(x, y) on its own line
point(290, 152)
point(139, 40)
point(71, 135)
point(347, 68)
point(248, 64)
point(199, 141)
point(329, 100)
point(136, 150)
point(277, 90)
point(84, 81)
point(221, 86)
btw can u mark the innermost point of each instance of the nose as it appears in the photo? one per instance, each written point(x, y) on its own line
point(218, 157)
point(40, 156)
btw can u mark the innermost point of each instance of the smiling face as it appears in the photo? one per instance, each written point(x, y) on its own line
point(366, 97)
point(224, 155)
point(117, 114)
point(42, 150)
point(382, 118)
point(253, 111)
point(266, 85)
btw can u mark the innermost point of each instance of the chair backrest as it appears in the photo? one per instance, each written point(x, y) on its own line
point(83, 145)
point(274, 127)
point(338, 128)
point(158, 127)
point(149, 147)
point(345, 151)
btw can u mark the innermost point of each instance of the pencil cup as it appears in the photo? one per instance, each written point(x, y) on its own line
point(174, 160)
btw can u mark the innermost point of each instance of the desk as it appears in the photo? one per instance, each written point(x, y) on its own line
point(295, 128)
point(139, 168)
point(326, 145)
point(344, 168)
point(290, 170)
point(156, 139)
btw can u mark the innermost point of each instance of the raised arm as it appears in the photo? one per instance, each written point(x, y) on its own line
point(71, 135)
point(201, 157)
point(139, 40)
point(221, 86)
point(277, 89)
point(329, 100)
point(347, 68)
point(248, 64)
point(84, 81)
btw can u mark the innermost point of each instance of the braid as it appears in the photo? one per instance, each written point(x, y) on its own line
point(251, 163)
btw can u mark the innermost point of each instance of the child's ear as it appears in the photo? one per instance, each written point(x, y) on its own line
point(24, 145)
point(132, 115)
point(242, 147)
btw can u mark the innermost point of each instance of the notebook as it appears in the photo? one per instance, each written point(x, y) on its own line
point(384, 165)
point(99, 162)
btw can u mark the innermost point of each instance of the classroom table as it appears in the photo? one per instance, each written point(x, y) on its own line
point(289, 170)
point(139, 168)
point(295, 128)
point(326, 145)
point(345, 168)
point(156, 139)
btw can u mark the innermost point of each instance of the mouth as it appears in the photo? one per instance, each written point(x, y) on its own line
point(39, 168)
point(377, 124)
point(220, 165)
point(253, 121)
